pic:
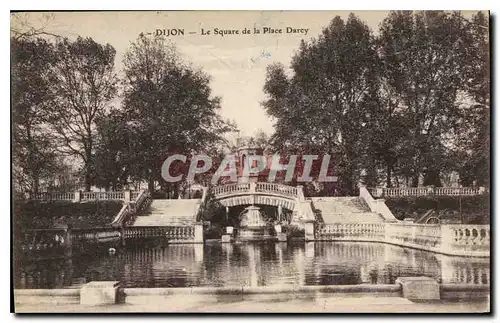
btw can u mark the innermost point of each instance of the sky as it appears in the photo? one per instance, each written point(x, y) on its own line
point(236, 63)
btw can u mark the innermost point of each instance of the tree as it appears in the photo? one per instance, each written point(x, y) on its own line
point(169, 105)
point(86, 83)
point(34, 153)
point(323, 106)
point(473, 147)
point(422, 61)
point(115, 155)
point(22, 28)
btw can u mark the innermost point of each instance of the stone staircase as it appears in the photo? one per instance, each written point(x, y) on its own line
point(344, 210)
point(172, 212)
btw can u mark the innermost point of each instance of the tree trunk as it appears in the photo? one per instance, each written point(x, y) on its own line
point(88, 162)
point(36, 182)
point(389, 171)
point(151, 184)
point(88, 180)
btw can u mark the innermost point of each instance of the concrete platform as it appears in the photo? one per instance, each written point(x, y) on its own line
point(313, 304)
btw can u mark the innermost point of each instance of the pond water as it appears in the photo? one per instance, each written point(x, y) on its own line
point(262, 264)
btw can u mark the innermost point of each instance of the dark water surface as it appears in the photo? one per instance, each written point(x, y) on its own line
point(264, 264)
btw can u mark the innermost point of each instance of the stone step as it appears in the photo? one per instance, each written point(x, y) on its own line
point(169, 212)
point(339, 205)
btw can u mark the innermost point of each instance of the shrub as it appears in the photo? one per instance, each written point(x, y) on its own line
point(36, 214)
point(475, 209)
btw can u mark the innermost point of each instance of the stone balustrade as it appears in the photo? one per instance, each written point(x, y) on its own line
point(351, 231)
point(467, 238)
point(259, 187)
point(80, 196)
point(130, 210)
point(425, 191)
point(229, 189)
point(95, 235)
point(54, 196)
point(172, 233)
point(460, 240)
point(376, 206)
point(276, 189)
point(99, 196)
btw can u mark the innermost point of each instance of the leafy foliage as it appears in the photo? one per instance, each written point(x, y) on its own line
point(475, 209)
point(391, 104)
point(34, 153)
point(169, 107)
point(86, 82)
point(212, 210)
point(33, 214)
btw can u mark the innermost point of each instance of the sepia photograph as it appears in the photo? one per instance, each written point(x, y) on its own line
point(250, 161)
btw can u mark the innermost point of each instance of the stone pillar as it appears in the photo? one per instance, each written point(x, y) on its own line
point(447, 238)
point(300, 192)
point(198, 252)
point(252, 187)
point(78, 197)
point(99, 293)
point(309, 250)
point(127, 196)
point(419, 288)
point(198, 233)
point(309, 230)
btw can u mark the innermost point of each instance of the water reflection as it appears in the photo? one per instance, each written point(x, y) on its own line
point(266, 264)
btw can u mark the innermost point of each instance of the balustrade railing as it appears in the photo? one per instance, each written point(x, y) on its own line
point(103, 196)
point(95, 235)
point(169, 232)
point(465, 240)
point(261, 187)
point(350, 231)
point(276, 188)
point(424, 191)
point(54, 196)
point(231, 188)
point(473, 236)
point(79, 196)
point(130, 210)
point(415, 235)
point(458, 190)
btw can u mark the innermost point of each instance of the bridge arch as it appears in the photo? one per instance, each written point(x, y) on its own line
point(271, 194)
point(263, 199)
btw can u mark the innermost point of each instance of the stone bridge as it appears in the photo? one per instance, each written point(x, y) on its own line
point(273, 194)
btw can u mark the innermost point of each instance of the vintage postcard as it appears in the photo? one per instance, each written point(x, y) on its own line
point(251, 161)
